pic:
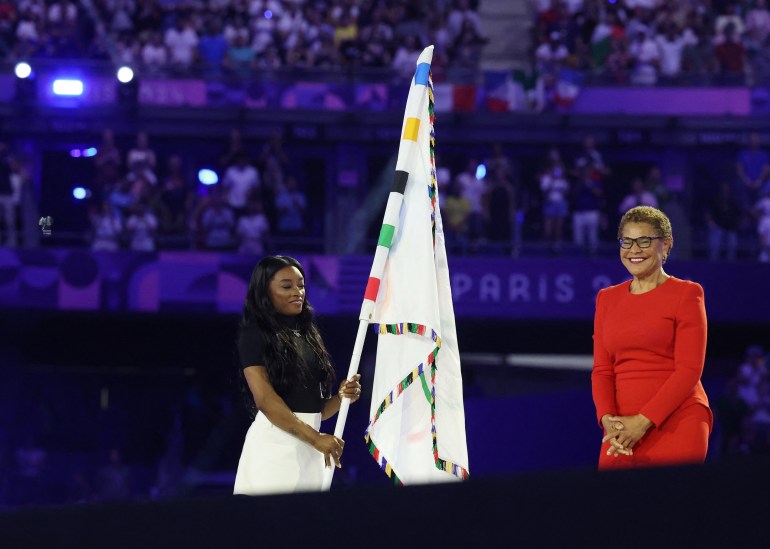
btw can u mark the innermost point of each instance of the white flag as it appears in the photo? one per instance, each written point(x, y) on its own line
point(416, 431)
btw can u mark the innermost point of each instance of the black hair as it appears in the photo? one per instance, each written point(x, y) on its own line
point(283, 360)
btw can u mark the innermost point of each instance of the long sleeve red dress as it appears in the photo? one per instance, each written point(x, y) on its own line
point(649, 352)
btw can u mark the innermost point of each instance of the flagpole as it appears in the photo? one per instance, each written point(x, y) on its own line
point(342, 415)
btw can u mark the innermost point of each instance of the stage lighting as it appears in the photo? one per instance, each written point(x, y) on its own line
point(208, 177)
point(128, 87)
point(481, 171)
point(80, 193)
point(26, 84)
point(68, 87)
point(125, 75)
point(22, 70)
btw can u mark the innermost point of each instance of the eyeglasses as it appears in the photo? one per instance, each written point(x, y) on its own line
point(642, 241)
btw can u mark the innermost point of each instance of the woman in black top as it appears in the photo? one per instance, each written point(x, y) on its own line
point(290, 377)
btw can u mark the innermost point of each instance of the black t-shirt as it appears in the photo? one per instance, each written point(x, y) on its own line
point(301, 398)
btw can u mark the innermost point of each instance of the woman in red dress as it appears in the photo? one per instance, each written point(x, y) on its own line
point(649, 350)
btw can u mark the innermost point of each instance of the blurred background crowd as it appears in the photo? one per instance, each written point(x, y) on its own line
point(493, 202)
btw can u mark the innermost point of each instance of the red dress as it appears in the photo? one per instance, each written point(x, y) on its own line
point(649, 351)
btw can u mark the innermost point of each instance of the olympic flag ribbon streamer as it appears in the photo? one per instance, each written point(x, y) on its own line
point(417, 428)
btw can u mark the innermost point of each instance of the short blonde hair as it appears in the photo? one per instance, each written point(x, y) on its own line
point(647, 214)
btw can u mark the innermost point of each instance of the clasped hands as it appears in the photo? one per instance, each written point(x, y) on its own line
point(624, 432)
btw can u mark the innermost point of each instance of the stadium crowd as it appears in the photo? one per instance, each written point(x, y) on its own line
point(220, 37)
point(498, 202)
point(644, 42)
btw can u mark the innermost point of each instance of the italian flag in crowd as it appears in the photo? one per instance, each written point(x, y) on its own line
point(416, 431)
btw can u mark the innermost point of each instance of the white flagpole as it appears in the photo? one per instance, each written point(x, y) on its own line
point(342, 416)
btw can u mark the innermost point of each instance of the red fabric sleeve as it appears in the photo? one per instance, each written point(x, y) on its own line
point(603, 373)
point(689, 356)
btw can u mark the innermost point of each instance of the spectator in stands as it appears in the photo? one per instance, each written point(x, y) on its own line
point(217, 223)
point(212, 49)
point(645, 58)
point(155, 55)
point(29, 33)
point(762, 209)
point(290, 206)
point(590, 156)
point(587, 207)
point(405, 59)
point(149, 18)
point(253, 230)
point(723, 218)
point(460, 16)
point(731, 58)
point(499, 161)
point(455, 214)
point(465, 51)
point(639, 196)
point(141, 226)
point(108, 163)
point(7, 203)
point(122, 12)
point(142, 154)
point(107, 229)
point(241, 58)
point(262, 25)
point(758, 23)
point(127, 49)
point(182, 43)
point(728, 23)
point(671, 45)
point(654, 183)
point(698, 59)
point(732, 413)
point(618, 61)
point(174, 200)
point(236, 27)
point(555, 188)
point(235, 147)
point(273, 160)
point(121, 199)
point(751, 374)
point(551, 55)
point(8, 17)
point(500, 212)
point(242, 183)
point(114, 480)
point(753, 169)
point(472, 188)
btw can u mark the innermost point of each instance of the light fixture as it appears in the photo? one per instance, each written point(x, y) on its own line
point(68, 87)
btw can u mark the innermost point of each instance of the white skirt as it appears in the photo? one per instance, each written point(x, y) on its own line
point(275, 462)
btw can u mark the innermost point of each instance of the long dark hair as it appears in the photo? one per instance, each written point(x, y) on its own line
point(283, 360)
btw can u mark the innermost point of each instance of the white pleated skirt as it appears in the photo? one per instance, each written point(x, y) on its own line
point(275, 462)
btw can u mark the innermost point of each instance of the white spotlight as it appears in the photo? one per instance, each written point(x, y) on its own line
point(22, 70)
point(67, 87)
point(125, 75)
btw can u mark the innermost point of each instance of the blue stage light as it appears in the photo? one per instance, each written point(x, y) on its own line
point(481, 171)
point(268, 14)
point(75, 153)
point(208, 177)
point(89, 152)
point(22, 70)
point(79, 193)
point(68, 87)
